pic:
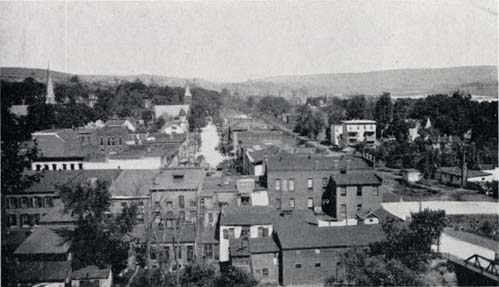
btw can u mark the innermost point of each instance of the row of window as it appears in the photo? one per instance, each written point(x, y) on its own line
point(343, 191)
point(208, 252)
point(289, 184)
point(229, 233)
point(264, 272)
point(111, 141)
point(310, 203)
point(299, 265)
point(29, 202)
point(64, 166)
point(25, 220)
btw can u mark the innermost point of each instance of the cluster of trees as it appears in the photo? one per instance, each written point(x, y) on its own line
point(309, 123)
point(206, 104)
point(402, 259)
point(273, 105)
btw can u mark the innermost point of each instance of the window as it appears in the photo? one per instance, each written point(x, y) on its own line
point(343, 191)
point(245, 200)
point(36, 219)
point(181, 216)
point(317, 251)
point(376, 191)
point(265, 273)
point(124, 205)
point(263, 232)
point(192, 203)
point(310, 183)
point(193, 216)
point(108, 141)
point(46, 167)
point(359, 190)
point(80, 166)
point(181, 203)
point(72, 166)
point(324, 182)
point(231, 233)
point(310, 202)
point(119, 141)
point(317, 264)
point(210, 217)
point(24, 202)
point(226, 233)
point(169, 204)
point(298, 265)
point(278, 185)
point(190, 253)
point(11, 220)
point(64, 166)
point(24, 220)
point(291, 203)
point(291, 184)
point(112, 141)
point(208, 250)
point(54, 166)
point(343, 210)
point(37, 202)
point(359, 207)
point(38, 167)
point(179, 251)
point(245, 230)
point(13, 202)
point(169, 223)
point(278, 203)
point(48, 201)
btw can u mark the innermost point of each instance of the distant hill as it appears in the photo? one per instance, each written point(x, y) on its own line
point(478, 80)
point(406, 82)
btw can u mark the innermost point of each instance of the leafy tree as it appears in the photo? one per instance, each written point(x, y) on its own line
point(383, 113)
point(147, 116)
point(309, 123)
point(273, 105)
point(429, 224)
point(198, 275)
point(356, 107)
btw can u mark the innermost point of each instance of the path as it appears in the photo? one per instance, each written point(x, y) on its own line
point(209, 141)
point(404, 209)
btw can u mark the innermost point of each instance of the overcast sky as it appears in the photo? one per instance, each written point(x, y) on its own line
point(221, 40)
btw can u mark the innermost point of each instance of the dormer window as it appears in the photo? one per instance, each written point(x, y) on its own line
point(178, 177)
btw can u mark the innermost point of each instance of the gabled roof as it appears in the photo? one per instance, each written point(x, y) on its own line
point(49, 143)
point(38, 271)
point(58, 215)
point(45, 240)
point(366, 178)
point(133, 183)
point(91, 272)
point(170, 110)
point(453, 170)
point(255, 246)
point(247, 215)
point(49, 181)
point(178, 179)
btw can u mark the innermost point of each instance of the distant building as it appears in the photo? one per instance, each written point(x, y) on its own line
point(336, 132)
point(37, 273)
point(461, 176)
point(411, 175)
point(170, 111)
point(358, 131)
point(92, 276)
point(45, 244)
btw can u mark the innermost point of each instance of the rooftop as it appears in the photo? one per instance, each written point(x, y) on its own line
point(49, 181)
point(179, 178)
point(367, 178)
point(58, 215)
point(49, 143)
point(45, 240)
point(288, 162)
point(453, 170)
point(216, 183)
point(247, 215)
point(170, 110)
point(38, 271)
point(91, 272)
point(294, 232)
point(359, 122)
point(255, 246)
point(133, 183)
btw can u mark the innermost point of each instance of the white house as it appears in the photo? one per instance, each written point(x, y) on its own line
point(359, 131)
point(336, 132)
point(238, 221)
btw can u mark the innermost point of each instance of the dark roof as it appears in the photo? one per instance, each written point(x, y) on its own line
point(312, 162)
point(367, 178)
point(57, 143)
point(207, 234)
point(216, 183)
point(295, 233)
point(11, 239)
point(247, 215)
point(45, 240)
point(91, 272)
point(187, 178)
point(256, 246)
point(457, 172)
point(49, 181)
point(58, 215)
point(38, 271)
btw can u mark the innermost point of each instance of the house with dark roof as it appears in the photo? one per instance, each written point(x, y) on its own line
point(347, 194)
point(254, 158)
point(46, 244)
point(309, 253)
point(296, 181)
point(240, 221)
point(37, 273)
point(453, 175)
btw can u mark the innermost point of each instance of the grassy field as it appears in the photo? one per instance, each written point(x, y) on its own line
point(480, 224)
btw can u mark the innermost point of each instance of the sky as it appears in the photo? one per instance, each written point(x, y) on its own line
point(236, 41)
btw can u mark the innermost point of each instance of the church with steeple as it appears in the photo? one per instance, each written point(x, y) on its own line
point(49, 96)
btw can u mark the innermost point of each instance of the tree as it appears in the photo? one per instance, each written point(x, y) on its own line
point(383, 113)
point(356, 107)
point(273, 105)
point(309, 124)
point(429, 224)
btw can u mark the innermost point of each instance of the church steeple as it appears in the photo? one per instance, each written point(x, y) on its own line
point(49, 96)
point(187, 95)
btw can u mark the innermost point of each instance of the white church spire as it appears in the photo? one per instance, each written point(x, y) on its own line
point(50, 96)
